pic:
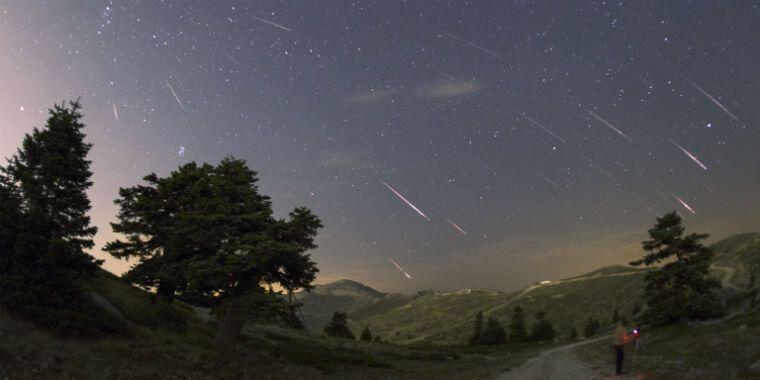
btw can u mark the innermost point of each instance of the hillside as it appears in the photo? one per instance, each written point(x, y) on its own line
point(444, 317)
point(344, 295)
point(170, 342)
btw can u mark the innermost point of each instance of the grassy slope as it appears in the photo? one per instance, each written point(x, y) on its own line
point(170, 342)
point(445, 318)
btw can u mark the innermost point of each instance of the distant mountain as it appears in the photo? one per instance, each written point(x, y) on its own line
point(445, 317)
point(342, 295)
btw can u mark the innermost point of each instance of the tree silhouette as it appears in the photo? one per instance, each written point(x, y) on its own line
point(517, 330)
point(338, 326)
point(681, 289)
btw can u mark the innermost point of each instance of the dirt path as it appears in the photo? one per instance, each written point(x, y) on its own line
point(555, 364)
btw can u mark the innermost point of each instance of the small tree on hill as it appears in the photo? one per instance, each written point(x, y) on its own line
point(366, 334)
point(477, 330)
point(591, 328)
point(573, 335)
point(615, 317)
point(493, 333)
point(681, 289)
point(517, 330)
point(542, 330)
point(338, 326)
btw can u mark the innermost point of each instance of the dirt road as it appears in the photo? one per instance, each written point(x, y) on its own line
point(555, 364)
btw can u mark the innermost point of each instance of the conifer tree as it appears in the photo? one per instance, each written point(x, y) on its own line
point(366, 334)
point(493, 333)
point(573, 335)
point(477, 330)
point(338, 326)
point(615, 317)
point(636, 308)
point(45, 230)
point(591, 328)
point(681, 289)
point(518, 332)
point(542, 330)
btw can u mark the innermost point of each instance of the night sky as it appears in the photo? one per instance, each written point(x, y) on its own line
point(532, 140)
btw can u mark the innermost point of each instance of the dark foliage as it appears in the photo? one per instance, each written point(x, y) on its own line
point(542, 330)
point(592, 326)
point(477, 329)
point(681, 289)
point(493, 333)
point(45, 230)
point(366, 334)
point(518, 332)
point(338, 326)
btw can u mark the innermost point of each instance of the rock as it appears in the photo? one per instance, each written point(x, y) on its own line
point(742, 328)
point(105, 305)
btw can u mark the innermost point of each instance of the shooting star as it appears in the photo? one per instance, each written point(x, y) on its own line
point(609, 125)
point(175, 95)
point(115, 113)
point(684, 204)
point(688, 154)
point(456, 227)
point(276, 25)
point(399, 267)
point(595, 165)
point(422, 214)
point(548, 180)
point(717, 103)
point(547, 130)
point(476, 46)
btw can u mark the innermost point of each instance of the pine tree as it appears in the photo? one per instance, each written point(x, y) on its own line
point(591, 328)
point(517, 330)
point(573, 335)
point(46, 230)
point(615, 317)
point(366, 334)
point(493, 333)
point(542, 330)
point(338, 326)
point(681, 289)
point(477, 330)
point(204, 234)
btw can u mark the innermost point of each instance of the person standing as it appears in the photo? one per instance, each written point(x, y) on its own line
point(619, 339)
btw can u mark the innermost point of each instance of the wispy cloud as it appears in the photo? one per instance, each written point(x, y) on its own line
point(449, 89)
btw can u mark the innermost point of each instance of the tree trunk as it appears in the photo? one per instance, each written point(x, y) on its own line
point(230, 325)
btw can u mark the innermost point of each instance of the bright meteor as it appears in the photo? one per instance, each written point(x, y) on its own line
point(688, 154)
point(115, 114)
point(597, 117)
point(175, 95)
point(684, 204)
point(456, 227)
point(715, 101)
point(399, 267)
point(422, 214)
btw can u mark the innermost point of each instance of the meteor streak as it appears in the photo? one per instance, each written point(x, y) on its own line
point(548, 180)
point(456, 227)
point(115, 114)
point(547, 130)
point(422, 214)
point(399, 267)
point(717, 103)
point(276, 25)
point(175, 95)
point(688, 154)
point(610, 125)
point(476, 46)
point(684, 204)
